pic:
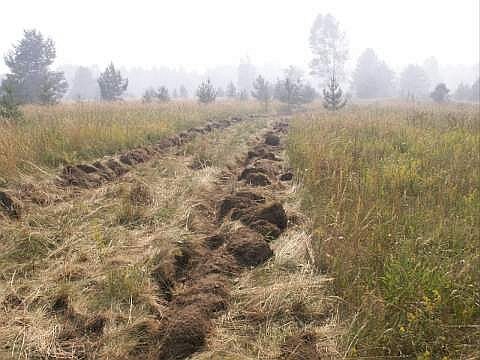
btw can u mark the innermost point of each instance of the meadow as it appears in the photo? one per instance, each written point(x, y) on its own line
point(386, 197)
point(50, 136)
point(394, 195)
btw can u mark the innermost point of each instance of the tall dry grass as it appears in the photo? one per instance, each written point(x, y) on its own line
point(394, 193)
point(50, 136)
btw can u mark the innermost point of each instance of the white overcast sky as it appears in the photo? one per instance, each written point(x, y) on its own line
point(198, 34)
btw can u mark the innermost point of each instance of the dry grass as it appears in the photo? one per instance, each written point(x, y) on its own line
point(394, 195)
point(98, 250)
point(284, 298)
point(55, 135)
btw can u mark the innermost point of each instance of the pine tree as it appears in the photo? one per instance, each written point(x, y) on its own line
point(112, 84)
point(231, 90)
point(206, 92)
point(333, 98)
point(440, 94)
point(162, 94)
point(262, 91)
point(463, 92)
point(149, 95)
point(30, 79)
point(292, 90)
point(243, 95)
point(183, 92)
point(288, 92)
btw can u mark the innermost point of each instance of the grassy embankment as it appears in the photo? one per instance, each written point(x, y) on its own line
point(51, 136)
point(395, 199)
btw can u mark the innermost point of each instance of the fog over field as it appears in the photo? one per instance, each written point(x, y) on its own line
point(186, 41)
point(271, 180)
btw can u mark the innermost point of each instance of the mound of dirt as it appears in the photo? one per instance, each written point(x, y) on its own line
point(260, 172)
point(255, 178)
point(76, 176)
point(215, 241)
point(185, 333)
point(136, 156)
point(269, 219)
point(116, 167)
point(261, 152)
point(248, 247)
point(61, 303)
point(272, 139)
point(239, 201)
point(171, 269)
point(274, 213)
point(104, 171)
point(95, 325)
point(12, 207)
point(209, 294)
point(220, 262)
point(300, 347)
point(281, 127)
point(286, 176)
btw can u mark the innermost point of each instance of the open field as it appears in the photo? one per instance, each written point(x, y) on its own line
point(350, 234)
point(155, 265)
point(394, 196)
point(51, 136)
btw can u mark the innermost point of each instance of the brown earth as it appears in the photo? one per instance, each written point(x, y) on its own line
point(195, 277)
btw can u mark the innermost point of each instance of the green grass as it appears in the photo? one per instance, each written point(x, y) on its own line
point(395, 197)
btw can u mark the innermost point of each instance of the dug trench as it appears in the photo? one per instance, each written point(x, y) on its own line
point(14, 202)
point(110, 284)
point(237, 223)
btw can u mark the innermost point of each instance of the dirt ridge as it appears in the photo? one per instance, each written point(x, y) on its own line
point(196, 278)
point(102, 171)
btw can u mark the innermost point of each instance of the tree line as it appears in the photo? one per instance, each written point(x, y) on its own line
point(32, 81)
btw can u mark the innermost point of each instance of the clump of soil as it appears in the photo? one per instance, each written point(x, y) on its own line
point(249, 248)
point(89, 169)
point(171, 268)
point(263, 166)
point(76, 176)
point(272, 139)
point(269, 219)
point(215, 241)
point(255, 178)
point(261, 152)
point(185, 333)
point(209, 294)
point(274, 213)
point(104, 171)
point(281, 126)
point(239, 201)
point(116, 167)
point(136, 156)
point(12, 207)
point(61, 303)
point(300, 347)
point(220, 262)
point(95, 325)
point(286, 176)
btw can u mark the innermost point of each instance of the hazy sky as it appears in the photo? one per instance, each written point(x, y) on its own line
point(196, 34)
